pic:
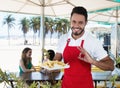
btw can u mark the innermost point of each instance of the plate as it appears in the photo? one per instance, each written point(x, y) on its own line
point(56, 67)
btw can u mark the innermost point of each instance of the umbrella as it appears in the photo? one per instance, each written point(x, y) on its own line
point(106, 16)
point(60, 7)
point(52, 7)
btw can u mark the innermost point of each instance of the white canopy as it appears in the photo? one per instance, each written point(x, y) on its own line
point(60, 8)
point(63, 8)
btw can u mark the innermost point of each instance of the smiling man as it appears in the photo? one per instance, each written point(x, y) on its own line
point(81, 50)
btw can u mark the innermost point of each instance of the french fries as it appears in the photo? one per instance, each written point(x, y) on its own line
point(51, 64)
point(60, 63)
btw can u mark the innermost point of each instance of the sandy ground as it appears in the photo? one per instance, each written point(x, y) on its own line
point(10, 55)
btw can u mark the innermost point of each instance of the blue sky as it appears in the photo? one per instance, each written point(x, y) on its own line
point(17, 31)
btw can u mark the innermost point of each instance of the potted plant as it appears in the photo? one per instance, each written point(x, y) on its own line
point(116, 72)
point(20, 83)
point(118, 62)
point(46, 54)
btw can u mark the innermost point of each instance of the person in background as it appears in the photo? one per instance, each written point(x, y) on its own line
point(81, 50)
point(25, 64)
point(49, 55)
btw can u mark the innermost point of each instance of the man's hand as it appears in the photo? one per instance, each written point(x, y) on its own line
point(84, 55)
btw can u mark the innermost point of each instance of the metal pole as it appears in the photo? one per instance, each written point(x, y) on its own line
point(42, 29)
point(117, 28)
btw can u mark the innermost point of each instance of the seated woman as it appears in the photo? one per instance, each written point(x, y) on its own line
point(25, 64)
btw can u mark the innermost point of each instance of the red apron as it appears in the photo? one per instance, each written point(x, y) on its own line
point(79, 73)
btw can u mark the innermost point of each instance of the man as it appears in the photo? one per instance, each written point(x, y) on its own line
point(81, 50)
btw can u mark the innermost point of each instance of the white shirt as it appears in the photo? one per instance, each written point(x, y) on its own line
point(92, 45)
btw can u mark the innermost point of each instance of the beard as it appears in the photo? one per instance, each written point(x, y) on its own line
point(77, 33)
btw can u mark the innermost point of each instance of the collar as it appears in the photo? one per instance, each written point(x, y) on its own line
point(82, 37)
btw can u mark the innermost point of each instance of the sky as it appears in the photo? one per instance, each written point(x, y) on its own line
point(17, 31)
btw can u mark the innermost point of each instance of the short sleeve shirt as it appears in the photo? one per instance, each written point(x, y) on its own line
point(91, 44)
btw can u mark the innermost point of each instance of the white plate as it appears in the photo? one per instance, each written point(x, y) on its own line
point(56, 67)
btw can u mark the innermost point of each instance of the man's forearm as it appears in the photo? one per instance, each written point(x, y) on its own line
point(107, 64)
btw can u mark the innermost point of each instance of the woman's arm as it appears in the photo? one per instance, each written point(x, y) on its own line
point(33, 68)
point(24, 68)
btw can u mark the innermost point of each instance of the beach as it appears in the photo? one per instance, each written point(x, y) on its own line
point(11, 54)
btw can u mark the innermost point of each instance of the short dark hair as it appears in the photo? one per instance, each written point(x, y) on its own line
point(80, 10)
point(51, 53)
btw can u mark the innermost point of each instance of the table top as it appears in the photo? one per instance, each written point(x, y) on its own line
point(101, 76)
point(39, 76)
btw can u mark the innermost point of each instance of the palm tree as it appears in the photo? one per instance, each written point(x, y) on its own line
point(65, 25)
point(25, 25)
point(61, 26)
point(9, 20)
point(49, 23)
point(35, 25)
point(46, 24)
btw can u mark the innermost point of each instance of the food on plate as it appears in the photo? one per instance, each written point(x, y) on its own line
point(52, 64)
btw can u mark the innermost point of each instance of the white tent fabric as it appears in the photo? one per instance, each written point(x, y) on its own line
point(53, 7)
point(110, 15)
point(56, 7)
point(62, 8)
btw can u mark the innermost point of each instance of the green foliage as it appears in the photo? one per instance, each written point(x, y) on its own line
point(113, 78)
point(118, 60)
point(57, 85)
point(25, 24)
point(4, 77)
point(46, 54)
point(33, 85)
point(47, 84)
point(35, 24)
point(20, 83)
point(9, 20)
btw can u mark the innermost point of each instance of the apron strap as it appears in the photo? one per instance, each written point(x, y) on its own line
point(82, 43)
point(68, 41)
point(82, 55)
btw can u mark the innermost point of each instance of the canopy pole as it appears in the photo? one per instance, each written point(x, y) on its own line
point(42, 30)
point(117, 35)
